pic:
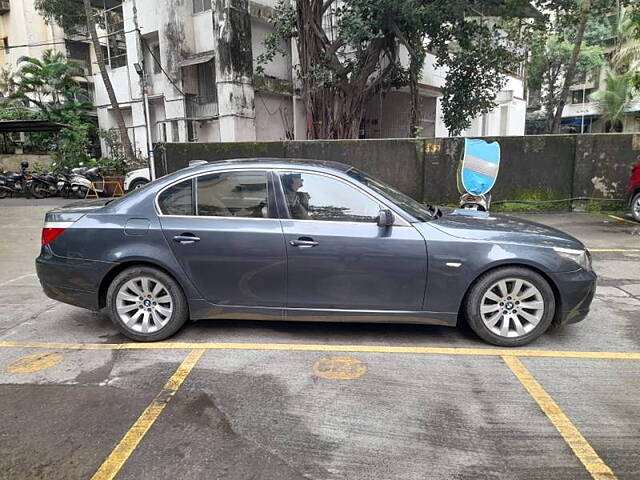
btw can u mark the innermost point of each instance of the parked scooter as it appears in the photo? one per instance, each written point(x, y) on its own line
point(475, 202)
point(16, 183)
point(82, 179)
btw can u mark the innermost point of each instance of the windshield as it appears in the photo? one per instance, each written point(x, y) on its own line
point(416, 209)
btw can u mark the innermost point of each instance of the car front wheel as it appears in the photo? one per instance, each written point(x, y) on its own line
point(510, 306)
point(136, 184)
point(635, 207)
point(146, 304)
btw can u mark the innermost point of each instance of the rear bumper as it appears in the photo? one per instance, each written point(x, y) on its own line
point(577, 290)
point(72, 281)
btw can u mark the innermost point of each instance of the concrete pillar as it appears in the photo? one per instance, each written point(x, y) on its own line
point(234, 70)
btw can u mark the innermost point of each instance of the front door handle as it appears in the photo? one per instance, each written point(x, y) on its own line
point(186, 238)
point(304, 242)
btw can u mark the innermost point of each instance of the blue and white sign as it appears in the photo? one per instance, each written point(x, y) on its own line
point(480, 166)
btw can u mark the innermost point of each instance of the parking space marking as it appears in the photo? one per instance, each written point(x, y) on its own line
point(17, 278)
point(114, 462)
point(620, 219)
point(580, 446)
point(614, 250)
point(327, 348)
point(34, 363)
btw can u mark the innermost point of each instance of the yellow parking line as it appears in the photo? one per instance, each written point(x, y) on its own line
point(620, 219)
point(326, 348)
point(114, 462)
point(614, 250)
point(580, 446)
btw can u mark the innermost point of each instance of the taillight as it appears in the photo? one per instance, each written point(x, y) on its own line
point(52, 230)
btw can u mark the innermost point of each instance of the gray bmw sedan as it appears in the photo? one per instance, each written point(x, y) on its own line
point(268, 239)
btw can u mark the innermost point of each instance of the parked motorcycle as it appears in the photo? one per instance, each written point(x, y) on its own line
point(44, 185)
point(16, 183)
point(475, 202)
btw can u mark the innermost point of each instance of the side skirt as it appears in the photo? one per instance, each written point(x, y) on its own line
point(201, 310)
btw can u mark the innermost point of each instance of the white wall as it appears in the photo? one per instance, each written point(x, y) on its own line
point(274, 117)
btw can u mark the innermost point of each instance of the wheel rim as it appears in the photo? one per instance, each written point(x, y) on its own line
point(512, 307)
point(636, 208)
point(144, 304)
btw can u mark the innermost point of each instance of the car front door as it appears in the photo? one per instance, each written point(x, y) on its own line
point(338, 257)
point(223, 230)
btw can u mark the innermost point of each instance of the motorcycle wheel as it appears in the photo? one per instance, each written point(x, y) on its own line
point(37, 191)
point(81, 193)
point(3, 193)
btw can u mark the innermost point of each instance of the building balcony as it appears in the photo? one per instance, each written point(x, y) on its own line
point(198, 107)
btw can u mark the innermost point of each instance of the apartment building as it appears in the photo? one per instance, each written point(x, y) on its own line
point(196, 61)
point(23, 32)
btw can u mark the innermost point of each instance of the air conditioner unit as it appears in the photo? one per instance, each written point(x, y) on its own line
point(5, 6)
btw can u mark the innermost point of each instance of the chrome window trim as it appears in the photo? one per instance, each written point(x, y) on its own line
point(278, 170)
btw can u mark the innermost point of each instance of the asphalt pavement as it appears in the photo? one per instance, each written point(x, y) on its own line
point(274, 400)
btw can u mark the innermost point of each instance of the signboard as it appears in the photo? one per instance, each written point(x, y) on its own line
point(480, 165)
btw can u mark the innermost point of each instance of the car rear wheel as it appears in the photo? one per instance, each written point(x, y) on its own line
point(146, 304)
point(635, 207)
point(510, 306)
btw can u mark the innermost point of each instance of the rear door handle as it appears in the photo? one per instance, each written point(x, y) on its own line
point(186, 238)
point(303, 242)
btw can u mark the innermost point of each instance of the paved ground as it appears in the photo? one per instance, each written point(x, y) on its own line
point(239, 400)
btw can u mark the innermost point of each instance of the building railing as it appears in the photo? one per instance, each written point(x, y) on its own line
point(201, 107)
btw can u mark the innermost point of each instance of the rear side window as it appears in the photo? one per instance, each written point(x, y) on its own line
point(177, 199)
point(233, 194)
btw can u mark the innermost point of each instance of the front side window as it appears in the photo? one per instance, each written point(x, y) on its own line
point(233, 194)
point(317, 197)
point(177, 199)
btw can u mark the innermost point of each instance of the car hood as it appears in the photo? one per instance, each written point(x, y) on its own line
point(503, 228)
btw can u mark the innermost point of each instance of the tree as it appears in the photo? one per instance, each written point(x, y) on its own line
point(615, 100)
point(547, 65)
point(70, 15)
point(348, 52)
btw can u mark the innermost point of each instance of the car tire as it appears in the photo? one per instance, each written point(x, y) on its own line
point(635, 207)
point(166, 308)
point(527, 297)
point(137, 184)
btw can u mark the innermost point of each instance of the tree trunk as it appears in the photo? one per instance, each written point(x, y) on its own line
point(415, 127)
point(571, 68)
point(122, 128)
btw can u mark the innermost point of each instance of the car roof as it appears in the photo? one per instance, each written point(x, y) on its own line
point(273, 162)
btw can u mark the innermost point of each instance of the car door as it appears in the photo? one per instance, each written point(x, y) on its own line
point(337, 255)
point(223, 230)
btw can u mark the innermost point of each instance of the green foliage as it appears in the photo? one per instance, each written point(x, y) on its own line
point(116, 163)
point(68, 14)
point(615, 99)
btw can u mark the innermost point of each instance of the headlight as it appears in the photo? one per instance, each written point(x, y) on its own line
point(581, 257)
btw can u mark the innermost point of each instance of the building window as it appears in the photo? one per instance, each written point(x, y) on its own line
point(79, 53)
point(581, 96)
point(116, 41)
point(201, 5)
point(207, 82)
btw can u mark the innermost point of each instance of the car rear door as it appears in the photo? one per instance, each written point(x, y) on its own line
point(338, 256)
point(222, 228)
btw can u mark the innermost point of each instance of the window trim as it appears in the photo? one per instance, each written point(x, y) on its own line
point(273, 180)
point(194, 195)
point(285, 207)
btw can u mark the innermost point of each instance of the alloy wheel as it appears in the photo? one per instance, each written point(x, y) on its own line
point(144, 304)
point(636, 208)
point(512, 307)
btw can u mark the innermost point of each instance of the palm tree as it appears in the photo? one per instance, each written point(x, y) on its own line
point(48, 82)
point(614, 100)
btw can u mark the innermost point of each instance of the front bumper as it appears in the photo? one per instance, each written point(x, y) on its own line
point(73, 281)
point(576, 290)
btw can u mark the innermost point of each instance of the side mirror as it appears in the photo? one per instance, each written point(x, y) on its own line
point(386, 218)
